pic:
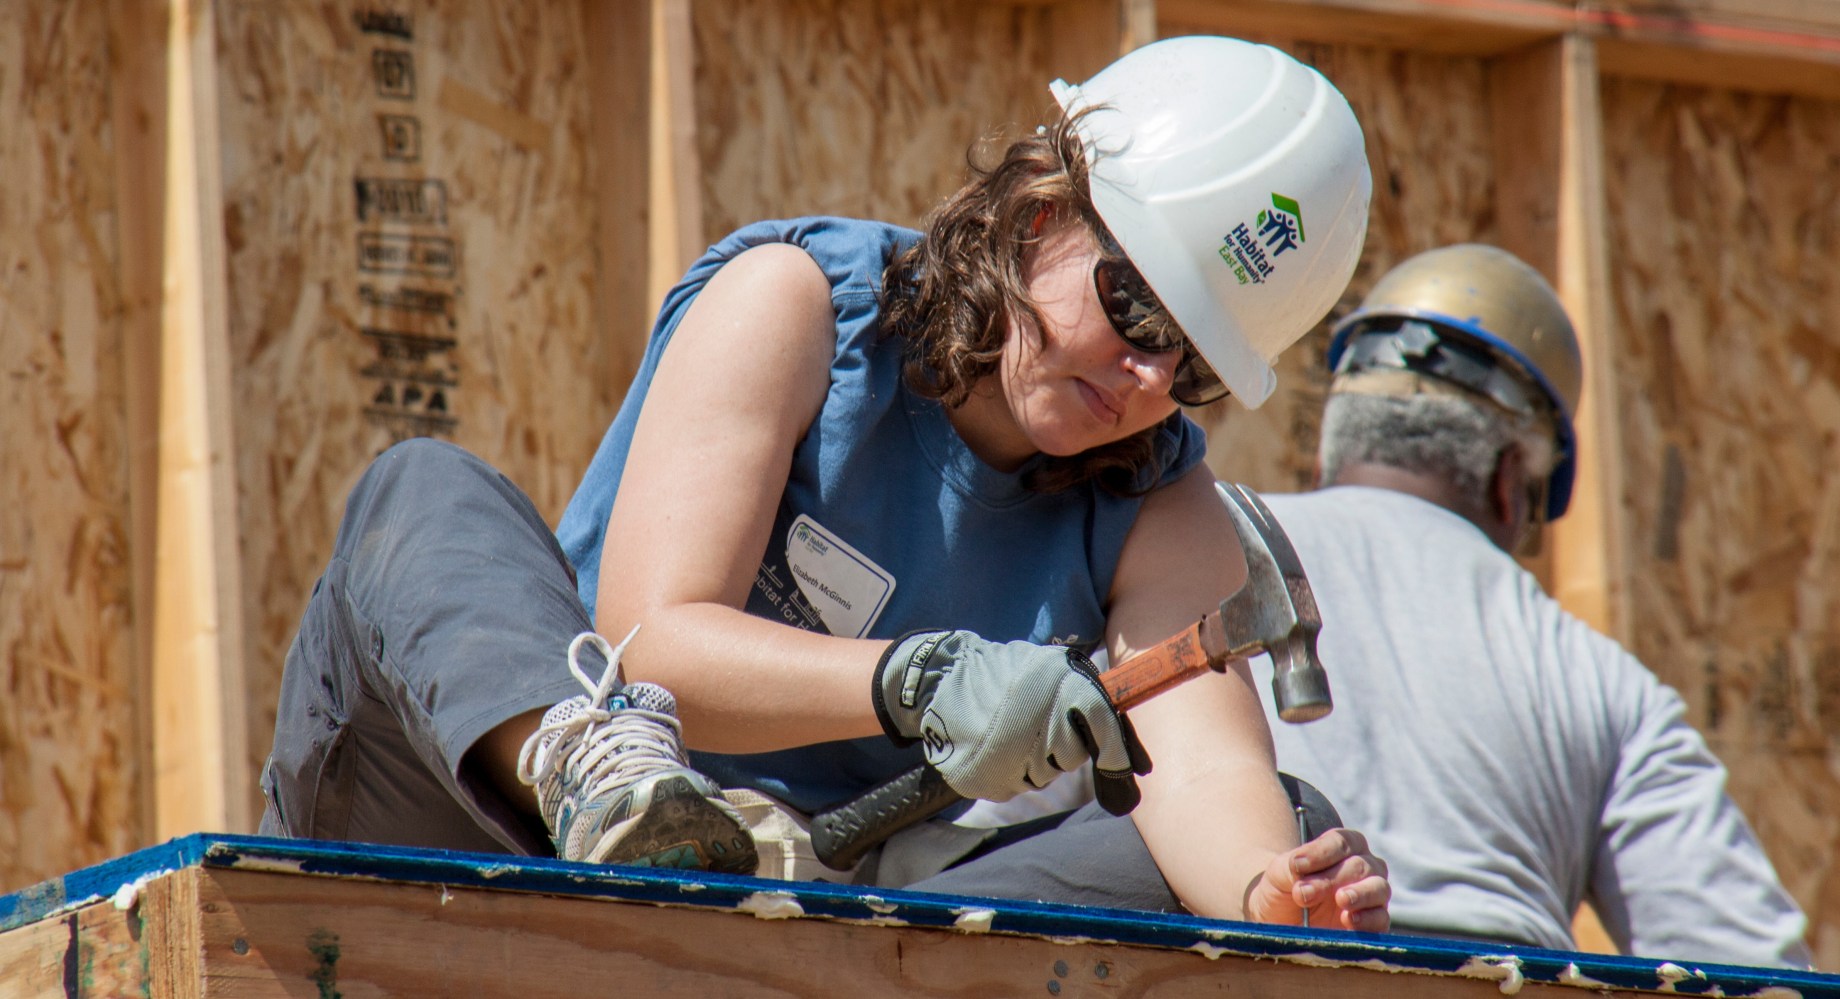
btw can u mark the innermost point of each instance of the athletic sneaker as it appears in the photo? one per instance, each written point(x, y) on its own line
point(613, 784)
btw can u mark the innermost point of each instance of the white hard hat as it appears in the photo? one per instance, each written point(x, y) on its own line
point(1235, 179)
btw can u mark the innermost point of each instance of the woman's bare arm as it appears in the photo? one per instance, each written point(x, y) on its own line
point(743, 378)
point(1214, 815)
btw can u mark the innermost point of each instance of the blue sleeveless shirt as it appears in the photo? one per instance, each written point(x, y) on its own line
point(888, 523)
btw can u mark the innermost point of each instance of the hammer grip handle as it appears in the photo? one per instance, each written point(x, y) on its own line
point(842, 834)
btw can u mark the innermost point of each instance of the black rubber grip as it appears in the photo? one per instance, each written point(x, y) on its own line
point(842, 833)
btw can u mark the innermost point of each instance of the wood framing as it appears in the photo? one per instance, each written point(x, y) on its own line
point(621, 78)
point(677, 232)
point(200, 756)
point(241, 916)
point(1548, 187)
point(1791, 47)
point(209, 340)
point(138, 64)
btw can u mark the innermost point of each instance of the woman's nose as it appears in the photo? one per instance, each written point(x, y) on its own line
point(1155, 372)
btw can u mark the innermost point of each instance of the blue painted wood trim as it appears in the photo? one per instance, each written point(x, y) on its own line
point(817, 900)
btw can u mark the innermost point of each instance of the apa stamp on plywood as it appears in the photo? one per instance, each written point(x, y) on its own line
point(385, 22)
point(394, 72)
point(418, 300)
point(400, 199)
point(396, 345)
point(414, 377)
point(426, 256)
point(402, 137)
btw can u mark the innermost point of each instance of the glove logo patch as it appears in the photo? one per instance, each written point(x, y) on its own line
point(938, 741)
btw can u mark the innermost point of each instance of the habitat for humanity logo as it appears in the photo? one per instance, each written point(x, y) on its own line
point(803, 535)
point(1252, 253)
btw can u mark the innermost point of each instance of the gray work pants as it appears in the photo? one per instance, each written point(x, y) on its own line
point(445, 610)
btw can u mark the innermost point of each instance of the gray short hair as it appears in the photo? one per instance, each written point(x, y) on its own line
point(1446, 435)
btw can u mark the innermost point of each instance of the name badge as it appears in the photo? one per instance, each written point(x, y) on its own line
point(844, 586)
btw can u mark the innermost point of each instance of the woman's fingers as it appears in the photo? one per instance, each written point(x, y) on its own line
point(1339, 880)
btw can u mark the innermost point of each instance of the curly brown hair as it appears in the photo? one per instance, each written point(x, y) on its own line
point(953, 294)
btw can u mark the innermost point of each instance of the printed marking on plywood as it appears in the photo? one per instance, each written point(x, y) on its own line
point(423, 256)
point(385, 22)
point(413, 379)
point(425, 301)
point(393, 70)
point(402, 137)
point(404, 200)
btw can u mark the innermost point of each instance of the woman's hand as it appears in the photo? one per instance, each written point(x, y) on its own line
point(1335, 877)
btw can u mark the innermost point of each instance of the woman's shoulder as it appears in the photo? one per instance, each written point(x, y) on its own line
point(845, 248)
point(1180, 445)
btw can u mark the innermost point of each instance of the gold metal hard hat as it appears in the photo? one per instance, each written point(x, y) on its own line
point(1480, 318)
point(1489, 293)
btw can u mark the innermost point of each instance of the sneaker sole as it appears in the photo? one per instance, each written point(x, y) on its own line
point(680, 827)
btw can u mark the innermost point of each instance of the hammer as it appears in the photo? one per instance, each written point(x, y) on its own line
point(1273, 612)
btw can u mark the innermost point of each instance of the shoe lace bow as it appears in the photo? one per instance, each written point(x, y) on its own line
point(610, 740)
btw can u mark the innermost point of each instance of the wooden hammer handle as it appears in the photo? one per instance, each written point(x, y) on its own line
point(1172, 661)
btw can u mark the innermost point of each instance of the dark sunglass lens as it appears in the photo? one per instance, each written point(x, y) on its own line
point(1131, 308)
point(1196, 384)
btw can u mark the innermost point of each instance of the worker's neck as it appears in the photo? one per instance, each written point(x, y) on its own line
point(1430, 488)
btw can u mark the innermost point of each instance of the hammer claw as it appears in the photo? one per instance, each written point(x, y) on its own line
point(1275, 611)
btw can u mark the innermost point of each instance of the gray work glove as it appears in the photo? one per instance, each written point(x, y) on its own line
point(998, 719)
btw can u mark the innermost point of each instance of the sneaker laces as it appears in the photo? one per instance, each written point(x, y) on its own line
point(604, 740)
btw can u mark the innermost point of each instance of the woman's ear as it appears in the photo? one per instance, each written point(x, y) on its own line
point(1042, 215)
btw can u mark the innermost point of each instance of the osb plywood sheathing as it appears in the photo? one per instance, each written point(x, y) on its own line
point(786, 127)
point(467, 311)
point(1725, 225)
point(69, 757)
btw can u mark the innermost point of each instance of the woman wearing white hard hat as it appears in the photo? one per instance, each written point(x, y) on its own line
point(872, 495)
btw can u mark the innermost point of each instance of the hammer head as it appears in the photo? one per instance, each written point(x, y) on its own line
point(1275, 612)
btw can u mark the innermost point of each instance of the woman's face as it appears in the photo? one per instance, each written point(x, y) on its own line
point(1078, 384)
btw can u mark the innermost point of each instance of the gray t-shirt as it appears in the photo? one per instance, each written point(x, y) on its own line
point(1505, 759)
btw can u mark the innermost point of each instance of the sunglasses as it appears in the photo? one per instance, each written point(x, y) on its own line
point(1137, 316)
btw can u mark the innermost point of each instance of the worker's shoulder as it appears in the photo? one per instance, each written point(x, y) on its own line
point(853, 253)
point(1346, 510)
